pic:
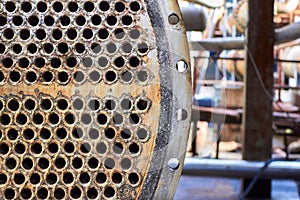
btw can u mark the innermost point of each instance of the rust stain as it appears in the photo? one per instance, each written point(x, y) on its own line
point(80, 147)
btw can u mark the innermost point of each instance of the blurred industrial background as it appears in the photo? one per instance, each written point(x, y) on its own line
point(246, 100)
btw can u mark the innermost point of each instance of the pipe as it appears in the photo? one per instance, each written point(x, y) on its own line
point(208, 3)
point(194, 18)
point(241, 169)
point(287, 33)
point(217, 44)
point(282, 35)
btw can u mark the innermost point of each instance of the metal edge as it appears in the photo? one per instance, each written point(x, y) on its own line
point(154, 172)
point(176, 93)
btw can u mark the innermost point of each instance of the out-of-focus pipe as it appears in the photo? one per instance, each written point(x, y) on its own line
point(215, 44)
point(241, 169)
point(287, 33)
point(282, 35)
point(208, 3)
point(195, 18)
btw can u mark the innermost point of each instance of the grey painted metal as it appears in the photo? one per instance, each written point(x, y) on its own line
point(194, 18)
point(209, 3)
point(287, 33)
point(216, 44)
point(241, 169)
point(283, 35)
point(176, 101)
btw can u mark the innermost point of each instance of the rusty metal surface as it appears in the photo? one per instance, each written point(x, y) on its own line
point(95, 99)
point(257, 119)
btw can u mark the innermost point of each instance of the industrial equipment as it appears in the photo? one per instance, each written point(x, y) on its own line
point(95, 99)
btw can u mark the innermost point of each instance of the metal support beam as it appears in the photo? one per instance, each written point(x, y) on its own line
point(257, 120)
